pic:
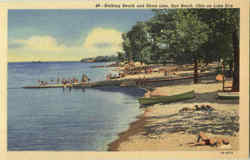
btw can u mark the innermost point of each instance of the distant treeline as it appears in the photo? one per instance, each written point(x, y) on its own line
point(99, 59)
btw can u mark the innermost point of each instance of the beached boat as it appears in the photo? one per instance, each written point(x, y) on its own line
point(167, 99)
point(228, 95)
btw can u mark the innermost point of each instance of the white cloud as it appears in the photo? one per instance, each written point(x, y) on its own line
point(40, 43)
point(100, 41)
point(103, 41)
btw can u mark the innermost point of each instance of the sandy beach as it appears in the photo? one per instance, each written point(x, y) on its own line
point(166, 127)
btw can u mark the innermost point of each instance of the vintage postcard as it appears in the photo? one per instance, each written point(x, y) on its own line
point(108, 79)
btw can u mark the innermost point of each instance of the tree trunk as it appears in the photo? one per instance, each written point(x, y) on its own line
point(231, 68)
point(218, 64)
point(141, 59)
point(195, 70)
point(236, 66)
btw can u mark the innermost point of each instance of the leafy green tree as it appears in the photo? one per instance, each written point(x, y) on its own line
point(223, 35)
point(138, 41)
point(126, 47)
point(161, 48)
point(121, 56)
point(225, 29)
point(191, 34)
point(184, 34)
point(187, 36)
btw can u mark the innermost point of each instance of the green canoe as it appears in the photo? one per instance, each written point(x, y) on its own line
point(167, 99)
point(228, 95)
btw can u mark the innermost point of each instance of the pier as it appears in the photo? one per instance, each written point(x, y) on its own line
point(116, 82)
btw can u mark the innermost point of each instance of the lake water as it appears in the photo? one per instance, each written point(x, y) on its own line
point(63, 119)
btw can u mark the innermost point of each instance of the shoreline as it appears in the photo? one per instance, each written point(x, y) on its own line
point(138, 138)
point(134, 128)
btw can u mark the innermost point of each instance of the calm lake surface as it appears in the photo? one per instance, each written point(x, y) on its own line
point(63, 119)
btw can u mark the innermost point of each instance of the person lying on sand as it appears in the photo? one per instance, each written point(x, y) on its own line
point(202, 139)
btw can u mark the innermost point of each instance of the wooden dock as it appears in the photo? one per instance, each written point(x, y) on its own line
point(78, 85)
point(113, 82)
point(48, 86)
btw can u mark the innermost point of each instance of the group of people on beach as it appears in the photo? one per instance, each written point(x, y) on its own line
point(138, 70)
point(65, 81)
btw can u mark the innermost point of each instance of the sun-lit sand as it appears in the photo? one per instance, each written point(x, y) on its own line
point(163, 127)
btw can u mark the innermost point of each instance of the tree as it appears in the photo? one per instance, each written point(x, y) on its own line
point(138, 41)
point(126, 47)
point(222, 34)
point(161, 43)
point(225, 26)
point(233, 21)
point(184, 34)
point(121, 56)
point(190, 35)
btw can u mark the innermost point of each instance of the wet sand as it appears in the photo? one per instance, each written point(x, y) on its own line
point(134, 128)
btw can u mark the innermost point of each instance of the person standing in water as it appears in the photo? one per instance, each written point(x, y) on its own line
point(84, 78)
point(58, 80)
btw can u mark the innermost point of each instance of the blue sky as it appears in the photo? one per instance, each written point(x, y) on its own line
point(68, 34)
